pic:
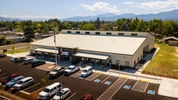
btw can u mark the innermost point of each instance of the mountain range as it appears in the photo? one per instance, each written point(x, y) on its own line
point(167, 15)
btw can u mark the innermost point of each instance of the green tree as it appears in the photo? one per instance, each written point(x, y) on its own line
point(88, 26)
point(2, 40)
point(29, 33)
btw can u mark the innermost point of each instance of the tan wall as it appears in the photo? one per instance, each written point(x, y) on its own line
point(139, 53)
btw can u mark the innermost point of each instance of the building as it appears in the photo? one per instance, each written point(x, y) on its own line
point(172, 41)
point(104, 47)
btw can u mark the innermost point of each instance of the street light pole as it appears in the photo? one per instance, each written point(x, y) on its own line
point(55, 48)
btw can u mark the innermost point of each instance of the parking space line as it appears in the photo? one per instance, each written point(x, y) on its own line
point(134, 84)
point(3, 74)
point(146, 87)
point(105, 79)
point(31, 86)
point(71, 96)
point(92, 76)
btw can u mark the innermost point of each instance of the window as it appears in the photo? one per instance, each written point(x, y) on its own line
point(133, 34)
point(126, 63)
point(98, 33)
point(68, 31)
point(87, 32)
point(121, 34)
point(77, 32)
point(108, 33)
point(117, 62)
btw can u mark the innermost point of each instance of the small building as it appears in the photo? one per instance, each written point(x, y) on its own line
point(105, 47)
point(172, 41)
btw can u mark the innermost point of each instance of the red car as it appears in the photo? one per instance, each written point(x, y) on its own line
point(87, 97)
point(8, 78)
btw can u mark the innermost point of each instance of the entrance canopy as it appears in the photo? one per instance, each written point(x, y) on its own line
point(94, 56)
point(46, 50)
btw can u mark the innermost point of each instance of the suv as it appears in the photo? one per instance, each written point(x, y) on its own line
point(50, 91)
point(19, 59)
point(13, 81)
point(8, 78)
point(23, 83)
point(56, 72)
point(28, 60)
point(37, 63)
point(63, 94)
point(71, 69)
point(86, 72)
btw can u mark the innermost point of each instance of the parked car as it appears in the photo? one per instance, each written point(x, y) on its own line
point(56, 72)
point(25, 82)
point(71, 69)
point(87, 97)
point(14, 81)
point(50, 90)
point(2, 55)
point(28, 60)
point(62, 94)
point(8, 78)
point(86, 72)
point(13, 58)
point(37, 63)
point(19, 59)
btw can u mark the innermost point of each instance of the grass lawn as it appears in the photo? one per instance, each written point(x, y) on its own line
point(165, 62)
point(25, 49)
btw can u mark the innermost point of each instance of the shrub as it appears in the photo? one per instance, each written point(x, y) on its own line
point(4, 50)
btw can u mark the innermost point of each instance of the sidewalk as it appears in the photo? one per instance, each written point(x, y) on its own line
point(10, 95)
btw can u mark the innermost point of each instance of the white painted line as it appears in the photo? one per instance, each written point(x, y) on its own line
point(95, 77)
point(3, 74)
point(32, 86)
point(118, 88)
point(105, 79)
point(134, 85)
point(146, 87)
point(71, 96)
point(108, 88)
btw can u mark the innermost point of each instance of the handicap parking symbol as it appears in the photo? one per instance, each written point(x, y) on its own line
point(97, 80)
point(127, 87)
point(107, 82)
point(151, 92)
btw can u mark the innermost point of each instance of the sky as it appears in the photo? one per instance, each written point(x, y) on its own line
point(34, 9)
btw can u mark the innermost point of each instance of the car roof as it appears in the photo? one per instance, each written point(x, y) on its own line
point(14, 74)
point(26, 78)
point(71, 66)
point(28, 58)
point(88, 67)
point(53, 85)
point(18, 77)
point(57, 68)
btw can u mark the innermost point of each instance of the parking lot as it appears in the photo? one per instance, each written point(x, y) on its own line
point(100, 85)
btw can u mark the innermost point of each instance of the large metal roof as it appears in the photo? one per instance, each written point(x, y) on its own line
point(105, 44)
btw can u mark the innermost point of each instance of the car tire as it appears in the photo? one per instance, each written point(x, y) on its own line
point(47, 98)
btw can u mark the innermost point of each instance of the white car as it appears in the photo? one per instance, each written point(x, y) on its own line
point(50, 91)
point(71, 69)
point(63, 94)
point(56, 72)
point(86, 72)
point(13, 58)
point(23, 83)
point(28, 60)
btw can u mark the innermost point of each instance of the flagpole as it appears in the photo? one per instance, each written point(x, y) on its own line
point(55, 47)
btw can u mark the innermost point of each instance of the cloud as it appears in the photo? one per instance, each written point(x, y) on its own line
point(30, 16)
point(128, 2)
point(101, 6)
point(160, 5)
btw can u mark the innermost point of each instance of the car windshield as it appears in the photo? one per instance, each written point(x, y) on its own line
point(85, 71)
point(19, 82)
point(60, 93)
point(13, 80)
point(70, 68)
point(54, 70)
point(46, 90)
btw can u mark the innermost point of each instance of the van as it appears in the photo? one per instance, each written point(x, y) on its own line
point(28, 60)
point(50, 91)
point(23, 83)
point(86, 72)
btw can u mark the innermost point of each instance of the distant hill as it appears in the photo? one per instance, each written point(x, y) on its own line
point(168, 15)
point(8, 19)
